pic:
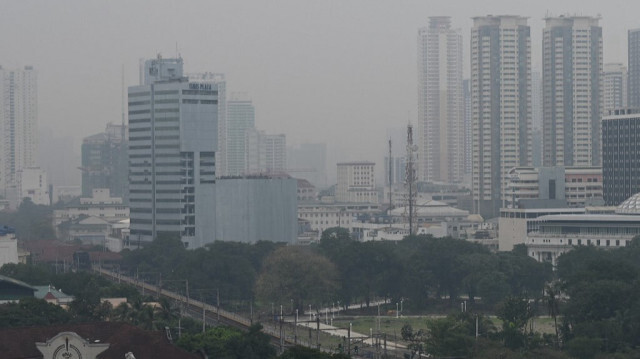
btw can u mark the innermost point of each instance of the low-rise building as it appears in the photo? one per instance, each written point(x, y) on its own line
point(255, 208)
point(515, 223)
point(554, 187)
point(322, 216)
point(100, 205)
point(558, 234)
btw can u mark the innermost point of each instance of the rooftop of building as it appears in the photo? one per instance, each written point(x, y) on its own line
point(121, 337)
point(630, 206)
point(604, 218)
point(356, 163)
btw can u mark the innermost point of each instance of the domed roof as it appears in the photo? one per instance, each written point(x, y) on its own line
point(630, 206)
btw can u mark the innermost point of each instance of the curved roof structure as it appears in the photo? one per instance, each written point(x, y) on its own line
point(431, 208)
point(630, 206)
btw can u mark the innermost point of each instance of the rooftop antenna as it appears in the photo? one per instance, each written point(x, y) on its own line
point(390, 164)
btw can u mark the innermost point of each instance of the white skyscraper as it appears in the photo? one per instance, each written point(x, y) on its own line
point(173, 131)
point(440, 102)
point(18, 123)
point(614, 87)
point(501, 106)
point(218, 80)
point(572, 83)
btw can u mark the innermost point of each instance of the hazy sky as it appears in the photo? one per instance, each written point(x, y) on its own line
point(334, 71)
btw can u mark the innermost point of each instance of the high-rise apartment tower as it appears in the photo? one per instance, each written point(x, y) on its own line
point(440, 102)
point(572, 83)
point(501, 106)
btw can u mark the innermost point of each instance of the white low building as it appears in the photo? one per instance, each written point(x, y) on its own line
point(558, 234)
point(322, 216)
point(100, 204)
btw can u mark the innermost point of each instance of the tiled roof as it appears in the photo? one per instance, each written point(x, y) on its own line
point(19, 343)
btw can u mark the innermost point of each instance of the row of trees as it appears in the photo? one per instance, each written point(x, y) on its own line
point(339, 269)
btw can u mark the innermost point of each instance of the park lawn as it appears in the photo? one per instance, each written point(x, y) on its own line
point(392, 325)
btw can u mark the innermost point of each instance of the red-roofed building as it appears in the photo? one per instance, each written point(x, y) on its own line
point(103, 340)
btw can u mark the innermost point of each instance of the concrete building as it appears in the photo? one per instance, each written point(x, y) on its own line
point(220, 83)
point(241, 117)
point(18, 124)
point(31, 182)
point(515, 223)
point(614, 87)
point(621, 155)
point(101, 205)
point(501, 106)
point(398, 171)
point(634, 68)
point(252, 209)
point(356, 182)
point(105, 161)
point(554, 187)
point(440, 131)
point(468, 131)
point(558, 234)
point(536, 118)
point(173, 131)
point(322, 216)
point(8, 246)
point(264, 153)
point(572, 83)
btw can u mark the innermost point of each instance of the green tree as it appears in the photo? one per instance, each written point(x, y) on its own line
point(32, 312)
point(298, 274)
point(515, 313)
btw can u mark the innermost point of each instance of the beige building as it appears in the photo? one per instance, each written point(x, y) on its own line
point(356, 182)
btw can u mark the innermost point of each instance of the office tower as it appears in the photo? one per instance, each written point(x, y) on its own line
point(614, 87)
point(264, 153)
point(219, 80)
point(105, 162)
point(440, 103)
point(468, 126)
point(18, 124)
point(172, 142)
point(621, 155)
point(356, 182)
point(501, 106)
point(634, 68)
point(572, 82)
point(309, 161)
point(240, 118)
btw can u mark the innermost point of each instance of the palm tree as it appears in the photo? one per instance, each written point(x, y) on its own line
point(551, 295)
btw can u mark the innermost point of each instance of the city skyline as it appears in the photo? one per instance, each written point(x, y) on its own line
point(294, 64)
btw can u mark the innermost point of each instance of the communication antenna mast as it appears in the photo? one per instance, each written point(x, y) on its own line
point(410, 179)
point(122, 129)
point(390, 164)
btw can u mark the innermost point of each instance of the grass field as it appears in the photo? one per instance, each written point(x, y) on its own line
point(392, 325)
